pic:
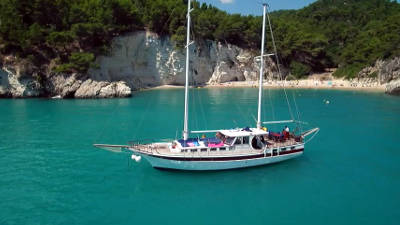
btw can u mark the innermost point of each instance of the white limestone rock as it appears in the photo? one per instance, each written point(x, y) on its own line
point(390, 70)
point(14, 83)
point(102, 89)
point(63, 85)
point(138, 60)
point(79, 86)
point(115, 89)
point(393, 87)
point(4, 83)
point(144, 59)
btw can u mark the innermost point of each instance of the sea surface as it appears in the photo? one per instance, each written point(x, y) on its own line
point(51, 174)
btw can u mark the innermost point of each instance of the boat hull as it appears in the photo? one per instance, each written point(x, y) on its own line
point(215, 164)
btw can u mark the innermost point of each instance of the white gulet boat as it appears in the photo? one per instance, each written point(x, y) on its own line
point(229, 149)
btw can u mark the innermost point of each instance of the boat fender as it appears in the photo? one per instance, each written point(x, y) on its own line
point(137, 158)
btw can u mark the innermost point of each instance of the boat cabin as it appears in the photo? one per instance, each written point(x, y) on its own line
point(224, 140)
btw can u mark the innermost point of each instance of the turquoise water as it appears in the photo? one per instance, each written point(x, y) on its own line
point(50, 173)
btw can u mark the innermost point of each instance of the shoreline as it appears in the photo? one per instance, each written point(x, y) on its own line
point(336, 84)
point(310, 84)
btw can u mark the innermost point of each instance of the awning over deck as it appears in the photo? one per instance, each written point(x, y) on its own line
point(243, 132)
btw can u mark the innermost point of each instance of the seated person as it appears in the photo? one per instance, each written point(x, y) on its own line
point(286, 133)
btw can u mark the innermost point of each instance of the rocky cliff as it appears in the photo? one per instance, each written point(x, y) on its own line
point(137, 60)
point(144, 59)
point(386, 72)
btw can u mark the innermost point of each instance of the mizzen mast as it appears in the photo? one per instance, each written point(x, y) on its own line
point(261, 69)
point(185, 121)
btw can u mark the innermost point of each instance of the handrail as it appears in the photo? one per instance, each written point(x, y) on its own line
point(276, 122)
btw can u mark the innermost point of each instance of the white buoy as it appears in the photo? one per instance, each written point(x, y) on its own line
point(327, 102)
point(137, 158)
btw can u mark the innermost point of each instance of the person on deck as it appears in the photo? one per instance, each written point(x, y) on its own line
point(286, 133)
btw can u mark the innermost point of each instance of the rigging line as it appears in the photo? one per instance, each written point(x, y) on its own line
point(254, 118)
point(294, 92)
point(271, 104)
point(241, 112)
point(193, 81)
point(196, 119)
point(202, 110)
point(169, 18)
point(298, 113)
point(277, 63)
point(236, 124)
point(262, 91)
point(100, 135)
point(194, 109)
point(264, 106)
point(308, 140)
point(192, 100)
point(142, 118)
point(270, 74)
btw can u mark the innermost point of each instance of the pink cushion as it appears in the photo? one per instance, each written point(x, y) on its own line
point(216, 145)
point(190, 144)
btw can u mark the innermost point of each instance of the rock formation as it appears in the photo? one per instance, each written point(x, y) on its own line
point(144, 59)
point(137, 60)
point(15, 82)
point(386, 72)
point(390, 74)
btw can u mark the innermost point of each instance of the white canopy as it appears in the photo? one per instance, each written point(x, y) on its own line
point(243, 133)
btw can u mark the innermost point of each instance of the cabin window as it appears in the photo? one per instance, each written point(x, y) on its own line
point(203, 150)
point(283, 149)
point(193, 150)
point(293, 148)
point(256, 143)
point(220, 136)
point(213, 149)
point(238, 141)
point(229, 140)
point(184, 150)
point(222, 149)
point(246, 140)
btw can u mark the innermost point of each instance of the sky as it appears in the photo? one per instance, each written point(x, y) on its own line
point(254, 7)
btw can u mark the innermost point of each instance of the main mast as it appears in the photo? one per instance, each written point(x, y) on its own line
point(261, 69)
point(185, 121)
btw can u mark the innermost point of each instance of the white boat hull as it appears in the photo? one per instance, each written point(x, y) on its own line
point(163, 163)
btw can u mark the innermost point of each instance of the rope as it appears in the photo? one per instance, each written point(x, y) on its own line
point(106, 124)
point(279, 70)
point(311, 137)
point(271, 104)
point(142, 119)
point(298, 113)
point(244, 115)
point(192, 98)
point(202, 110)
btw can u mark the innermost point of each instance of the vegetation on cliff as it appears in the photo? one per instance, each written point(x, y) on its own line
point(349, 34)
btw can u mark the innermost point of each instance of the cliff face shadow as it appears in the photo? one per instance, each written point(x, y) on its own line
point(4, 84)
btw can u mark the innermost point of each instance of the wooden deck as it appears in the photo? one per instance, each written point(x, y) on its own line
point(163, 149)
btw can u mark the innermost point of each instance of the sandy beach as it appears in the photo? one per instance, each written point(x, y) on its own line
point(311, 83)
point(308, 84)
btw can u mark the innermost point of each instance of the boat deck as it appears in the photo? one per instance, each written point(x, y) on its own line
point(164, 149)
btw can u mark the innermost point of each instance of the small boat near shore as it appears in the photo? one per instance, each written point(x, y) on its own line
point(228, 148)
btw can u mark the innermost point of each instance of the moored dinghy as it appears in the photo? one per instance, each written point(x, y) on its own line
point(230, 148)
